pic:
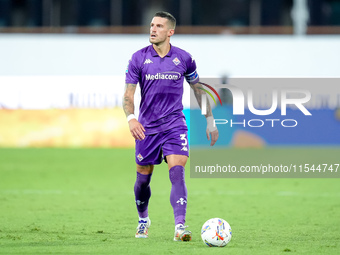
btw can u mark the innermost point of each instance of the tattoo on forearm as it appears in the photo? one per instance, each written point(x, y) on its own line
point(198, 94)
point(128, 106)
point(128, 99)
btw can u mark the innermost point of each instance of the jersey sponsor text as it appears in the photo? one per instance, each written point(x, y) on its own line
point(163, 76)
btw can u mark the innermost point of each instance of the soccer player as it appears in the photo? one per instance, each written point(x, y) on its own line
point(161, 131)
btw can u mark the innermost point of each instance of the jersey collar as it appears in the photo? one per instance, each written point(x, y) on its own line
point(155, 54)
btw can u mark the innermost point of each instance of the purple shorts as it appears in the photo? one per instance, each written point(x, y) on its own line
point(155, 147)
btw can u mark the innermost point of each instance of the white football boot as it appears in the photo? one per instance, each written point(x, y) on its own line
point(142, 229)
point(181, 234)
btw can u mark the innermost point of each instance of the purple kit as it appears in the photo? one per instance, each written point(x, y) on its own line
point(161, 83)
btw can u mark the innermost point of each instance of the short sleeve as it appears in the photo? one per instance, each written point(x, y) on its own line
point(132, 71)
point(191, 74)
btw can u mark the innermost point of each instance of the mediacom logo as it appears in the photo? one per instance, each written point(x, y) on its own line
point(296, 97)
point(163, 76)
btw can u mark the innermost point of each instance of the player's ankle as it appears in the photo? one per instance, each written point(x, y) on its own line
point(144, 219)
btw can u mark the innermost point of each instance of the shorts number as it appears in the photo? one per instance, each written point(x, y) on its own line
point(185, 139)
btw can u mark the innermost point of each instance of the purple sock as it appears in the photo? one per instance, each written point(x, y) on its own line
point(142, 194)
point(178, 195)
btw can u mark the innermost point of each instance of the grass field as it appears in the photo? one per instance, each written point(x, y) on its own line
point(80, 201)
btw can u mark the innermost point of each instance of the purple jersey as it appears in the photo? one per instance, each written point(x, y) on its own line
point(161, 83)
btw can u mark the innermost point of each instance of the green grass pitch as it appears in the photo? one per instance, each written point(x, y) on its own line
point(80, 201)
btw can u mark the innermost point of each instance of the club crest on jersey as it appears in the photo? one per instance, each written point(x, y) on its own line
point(176, 61)
point(140, 157)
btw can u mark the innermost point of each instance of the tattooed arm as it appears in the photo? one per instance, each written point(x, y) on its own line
point(197, 88)
point(198, 95)
point(137, 130)
point(128, 99)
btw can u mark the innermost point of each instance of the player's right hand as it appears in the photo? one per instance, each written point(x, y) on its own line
point(137, 130)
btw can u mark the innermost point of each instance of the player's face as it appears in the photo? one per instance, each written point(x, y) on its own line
point(159, 30)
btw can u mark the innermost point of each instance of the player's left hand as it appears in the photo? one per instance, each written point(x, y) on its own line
point(214, 136)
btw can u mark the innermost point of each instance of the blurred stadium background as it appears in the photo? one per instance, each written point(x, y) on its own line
point(62, 62)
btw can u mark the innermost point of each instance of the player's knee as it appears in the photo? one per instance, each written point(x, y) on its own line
point(176, 160)
point(148, 169)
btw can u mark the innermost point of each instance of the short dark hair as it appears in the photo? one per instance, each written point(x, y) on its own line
point(168, 16)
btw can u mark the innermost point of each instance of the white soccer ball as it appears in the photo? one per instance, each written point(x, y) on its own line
point(216, 232)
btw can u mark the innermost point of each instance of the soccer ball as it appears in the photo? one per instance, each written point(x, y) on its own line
point(216, 232)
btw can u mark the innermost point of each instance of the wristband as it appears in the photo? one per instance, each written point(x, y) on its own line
point(130, 117)
point(210, 124)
